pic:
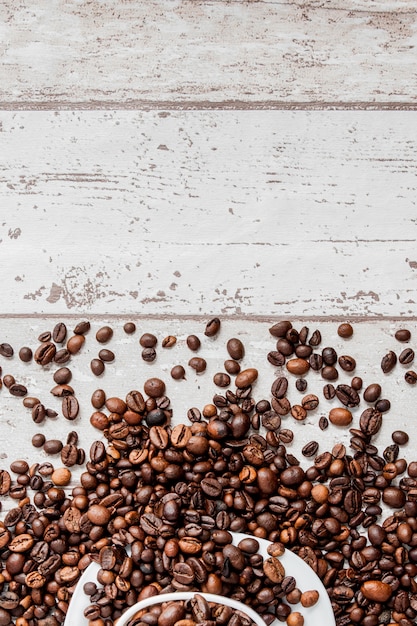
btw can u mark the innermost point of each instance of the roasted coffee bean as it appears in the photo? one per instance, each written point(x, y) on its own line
point(8, 380)
point(406, 356)
point(129, 328)
point(370, 421)
point(6, 350)
point(279, 387)
point(400, 437)
point(104, 334)
point(212, 327)
point(106, 355)
point(301, 384)
point(276, 358)
point(315, 339)
point(388, 362)
point(329, 391)
point(62, 376)
point(347, 396)
point(403, 334)
point(329, 373)
point(235, 349)
point(340, 417)
point(329, 356)
point(62, 356)
point(82, 328)
point(75, 343)
point(232, 367)
point(154, 387)
point(345, 330)
point(298, 366)
point(178, 372)
point(221, 379)
point(5, 482)
point(69, 455)
point(372, 392)
point(38, 440)
point(59, 332)
point(310, 402)
point(323, 423)
point(410, 377)
point(25, 354)
point(315, 362)
point(169, 341)
point(98, 398)
point(18, 390)
point(52, 446)
point(383, 405)
point(97, 366)
point(38, 413)
point(347, 363)
point(70, 407)
point(310, 449)
point(280, 329)
point(198, 364)
point(148, 354)
point(45, 353)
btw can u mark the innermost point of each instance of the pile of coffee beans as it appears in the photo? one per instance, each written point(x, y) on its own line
point(157, 497)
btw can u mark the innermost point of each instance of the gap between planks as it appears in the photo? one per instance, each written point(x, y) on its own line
point(203, 105)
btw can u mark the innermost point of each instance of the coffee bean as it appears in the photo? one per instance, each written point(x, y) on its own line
point(403, 334)
point(62, 376)
point(154, 387)
point(372, 392)
point(98, 398)
point(212, 327)
point(232, 367)
point(280, 329)
point(310, 449)
point(45, 336)
point(106, 355)
point(169, 341)
point(221, 379)
point(347, 363)
point(69, 454)
point(329, 391)
point(323, 423)
point(301, 384)
point(70, 407)
point(75, 343)
point(388, 362)
point(104, 334)
point(340, 417)
point(370, 421)
point(38, 440)
point(383, 405)
point(329, 373)
point(97, 366)
point(406, 356)
point(400, 437)
point(410, 377)
point(298, 366)
point(52, 446)
point(6, 350)
point(18, 390)
point(310, 402)
point(345, 330)
point(5, 482)
point(129, 328)
point(235, 349)
point(59, 333)
point(315, 362)
point(276, 358)
point(347, 396)
point(45, 353)
point(279, 387)
point(25, 354)
point(82, 328)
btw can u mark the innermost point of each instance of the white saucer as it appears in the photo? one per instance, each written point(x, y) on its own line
point(306, 579)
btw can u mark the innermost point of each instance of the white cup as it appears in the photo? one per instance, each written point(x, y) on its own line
point(187, 595)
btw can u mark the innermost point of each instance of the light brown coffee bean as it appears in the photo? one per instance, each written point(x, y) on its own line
point(340, 416)
point(75, 343)
point(246, 377)
point(297, 366)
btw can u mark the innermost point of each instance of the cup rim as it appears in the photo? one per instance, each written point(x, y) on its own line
point(188, 595)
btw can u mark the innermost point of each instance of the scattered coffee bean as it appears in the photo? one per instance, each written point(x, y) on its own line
point(235, 349)
point(178, 372)
point(149, 354)
point(388, 362)
point(25, 354)
point(82, 328)
point(104, 334)
point(129, 328)
point(75, 343)
point(198, 364)
point(169, 341)
point(212, 327)
point(345, 330)
point(59, 333)
point(62, 376)
point(106, 355)
point(400, 437)
point(410, 377)
point(97, 366)
point(403, 334)
point(6, 350)
point(406, 357)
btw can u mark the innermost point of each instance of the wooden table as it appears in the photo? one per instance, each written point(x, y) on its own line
point(170, 161)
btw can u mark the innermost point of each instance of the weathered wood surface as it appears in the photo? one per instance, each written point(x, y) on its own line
point(182, 213)
point(202, 53)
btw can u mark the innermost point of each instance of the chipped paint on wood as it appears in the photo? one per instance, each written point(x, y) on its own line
point(205, 51)
point(241, 212)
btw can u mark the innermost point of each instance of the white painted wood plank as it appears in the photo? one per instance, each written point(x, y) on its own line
point(371, 340)
point(252, 213)
point(195, 53)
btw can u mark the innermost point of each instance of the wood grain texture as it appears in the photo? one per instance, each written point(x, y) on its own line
point(248, 213)
point(202, 53)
